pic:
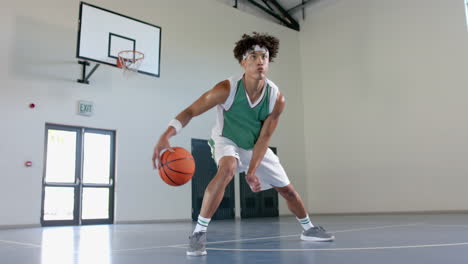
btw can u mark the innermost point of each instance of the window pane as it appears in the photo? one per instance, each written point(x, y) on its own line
point(59, 203)
point(95, 203)
point(61, 156)
point(96, 158)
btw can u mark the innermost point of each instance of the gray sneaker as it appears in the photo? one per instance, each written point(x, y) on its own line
point(316, 233)
point(197, 244)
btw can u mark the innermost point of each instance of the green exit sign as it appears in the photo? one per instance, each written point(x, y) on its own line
point(85, 108)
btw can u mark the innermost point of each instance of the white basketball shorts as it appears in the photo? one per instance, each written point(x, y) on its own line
point(270, 172)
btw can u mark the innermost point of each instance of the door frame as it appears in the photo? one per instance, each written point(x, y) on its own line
point(78, 183)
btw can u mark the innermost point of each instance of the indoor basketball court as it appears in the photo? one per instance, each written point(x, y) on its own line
point(130, 130)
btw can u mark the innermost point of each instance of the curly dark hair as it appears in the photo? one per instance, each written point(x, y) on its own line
point(263, 40)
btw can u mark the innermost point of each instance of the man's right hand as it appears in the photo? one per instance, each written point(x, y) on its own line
point(162, 144)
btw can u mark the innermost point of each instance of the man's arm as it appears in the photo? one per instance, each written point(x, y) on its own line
point(217, 95)
point(263, 141)
point(208, 100)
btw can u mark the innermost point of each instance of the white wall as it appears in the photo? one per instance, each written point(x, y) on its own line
point(385, 89)
point(39, 65)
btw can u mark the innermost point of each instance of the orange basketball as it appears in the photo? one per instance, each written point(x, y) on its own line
point(178, 167)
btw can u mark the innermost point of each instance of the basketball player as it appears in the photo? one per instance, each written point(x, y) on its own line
point(248, 107)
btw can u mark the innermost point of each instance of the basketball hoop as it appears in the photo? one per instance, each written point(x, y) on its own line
point(130, 60)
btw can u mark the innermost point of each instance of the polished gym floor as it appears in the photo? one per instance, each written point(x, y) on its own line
point(391, 238)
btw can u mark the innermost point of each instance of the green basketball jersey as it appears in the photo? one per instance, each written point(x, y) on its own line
point(241, 120)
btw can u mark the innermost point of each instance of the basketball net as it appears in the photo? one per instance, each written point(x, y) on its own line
point(130, 61)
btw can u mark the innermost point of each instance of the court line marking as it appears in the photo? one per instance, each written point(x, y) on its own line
point(297, 235)
point(20, 243)
point(150, 231)
point(376, 227)
point(263, 238)
point(446, 225)
point(339, 249)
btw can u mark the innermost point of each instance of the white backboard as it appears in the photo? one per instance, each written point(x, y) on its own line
point(103, 33)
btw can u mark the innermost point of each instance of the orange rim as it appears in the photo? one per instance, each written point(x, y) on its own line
point(137, 56)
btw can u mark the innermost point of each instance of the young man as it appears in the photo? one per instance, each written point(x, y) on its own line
point(248, 110)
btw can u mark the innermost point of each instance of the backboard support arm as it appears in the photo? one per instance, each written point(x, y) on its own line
point(85, 78)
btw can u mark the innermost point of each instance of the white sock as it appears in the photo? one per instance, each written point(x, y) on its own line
point(202, 224)
point(305, 223)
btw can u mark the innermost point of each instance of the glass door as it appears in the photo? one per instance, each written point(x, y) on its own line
point(78, 183)
point(60, 183)
point(98, 181)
